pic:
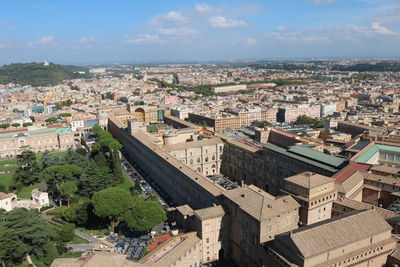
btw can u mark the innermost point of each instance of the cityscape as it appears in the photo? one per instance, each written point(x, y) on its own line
point(199, 134)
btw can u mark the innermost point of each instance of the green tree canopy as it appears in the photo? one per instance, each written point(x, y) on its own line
point(16, 125)
point(56, 176)
point(260, 124)
point(25, 232)
point(26, 124)
point(145, 214)
point(68, 189)
point(4, 125)
point(111, 203)
point(51, 119)
point(304, 119)
point(64, 115)
point(28, 169)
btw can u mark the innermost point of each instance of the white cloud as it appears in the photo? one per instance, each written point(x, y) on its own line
point(41, 41)
point(251, 41)
point(281, 28)
point(179, 31)
point(224, 23)
point(322, 2)
point(145, 38)
point(84, 40)
point(170, 17)
point(378, 28)
point(45, 39)
point(203, 8)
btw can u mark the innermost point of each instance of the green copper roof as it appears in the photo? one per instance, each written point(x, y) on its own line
point(300, 157)
point(317, 156)
point(366, 156)
point(37, 132)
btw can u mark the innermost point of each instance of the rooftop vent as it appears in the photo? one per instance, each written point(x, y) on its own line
point(243, 195)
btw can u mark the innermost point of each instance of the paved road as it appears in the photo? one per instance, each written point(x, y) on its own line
point(78, 247)
point(89, 238)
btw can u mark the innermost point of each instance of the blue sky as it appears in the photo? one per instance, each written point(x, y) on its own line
point(128, 31)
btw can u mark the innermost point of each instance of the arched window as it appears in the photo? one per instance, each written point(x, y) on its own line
point(213, 157)
point(206, 159)
point(191, 161)
point(21, 143)
point(198, 160)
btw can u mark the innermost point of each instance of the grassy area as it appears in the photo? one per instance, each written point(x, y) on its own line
point(70, 255)
point(26, 192)
point(78, 240)
point(126, 184)
point(52, 154)
point(24, 264)
point(7, 180)
point(8, 161)
point(8, 168)
point(57, 211)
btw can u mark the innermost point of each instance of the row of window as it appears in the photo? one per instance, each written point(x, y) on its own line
point(345, 262)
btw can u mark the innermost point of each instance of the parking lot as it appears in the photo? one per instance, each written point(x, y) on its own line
point(147, 185)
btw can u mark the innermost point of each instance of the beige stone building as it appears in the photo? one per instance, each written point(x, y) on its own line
point(52, 139)
point(144, 113)
point(203, 156)
point(210, 225)
point(219, 122)
point(360, 238)
point(256, 217)
point(315, 193)
point(179, 251)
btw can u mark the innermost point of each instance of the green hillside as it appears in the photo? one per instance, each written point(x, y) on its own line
point(36, 74)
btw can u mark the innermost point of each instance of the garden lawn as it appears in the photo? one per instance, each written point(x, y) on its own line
point(57, 211)
point(7, 180)
point(8, 161)
point(78, 240)
point(126, 184)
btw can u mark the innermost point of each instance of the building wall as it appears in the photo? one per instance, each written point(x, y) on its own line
point(156, 163)
point(12, 146)
point(264, 169)
point(6, 204)
point(247, 233)
point(210, 232)
point(206, 159)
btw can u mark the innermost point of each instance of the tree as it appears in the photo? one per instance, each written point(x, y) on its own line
point(145, 214)
point(66, 233)
point(4, 125)
point(95, 179)
point(64, 115)
point(28, 232)
point(260, 124)
point(100, 160)
point(15, 125)
point(28, 169)
point(68, 189)
point(12, 250)
point(56, 176)
point(51, 119)
point(111, 203)
point(81, 151)
point(26, 124)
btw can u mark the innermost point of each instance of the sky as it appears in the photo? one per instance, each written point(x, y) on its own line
point(133, 31)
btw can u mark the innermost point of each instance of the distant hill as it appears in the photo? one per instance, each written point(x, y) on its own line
point(381, 66)
point(36, 74)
